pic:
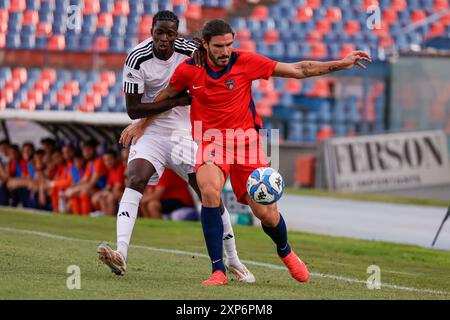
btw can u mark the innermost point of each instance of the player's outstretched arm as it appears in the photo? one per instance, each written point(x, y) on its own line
point(138, 110)
point(306, 69)
point(166, 100)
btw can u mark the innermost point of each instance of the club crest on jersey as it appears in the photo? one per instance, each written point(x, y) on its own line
point(230, 84)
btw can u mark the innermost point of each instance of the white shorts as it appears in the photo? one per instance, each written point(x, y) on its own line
point(175, 151)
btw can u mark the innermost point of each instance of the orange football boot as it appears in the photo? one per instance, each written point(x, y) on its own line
point(297, 268)
point(218, 278)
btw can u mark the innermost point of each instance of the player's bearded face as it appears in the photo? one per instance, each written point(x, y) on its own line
point(219, 49)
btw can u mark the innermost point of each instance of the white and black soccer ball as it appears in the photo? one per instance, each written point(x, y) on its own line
point(265, 185)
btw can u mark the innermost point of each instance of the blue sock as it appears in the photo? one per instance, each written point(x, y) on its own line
point(213, 232)
point(279, 236)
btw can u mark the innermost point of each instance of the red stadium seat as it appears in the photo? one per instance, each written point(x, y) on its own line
point(30, 17)
point(108, 77)
point(325, 132)
point(57, 42)
point(193, 11)
point(264, 108)
point(440, 5)
point(180, 2)
point(272, 96)
point(265, 85)
point(399, 5)
point(346, 49)
point(95, 99)
point(3, 26)
point(437, 28)
point(334, 14)
point(4, 16)
point(260, 12)
point(243, 34)
point(418, 15)
point(121, 8)
point(248, 45)
point(7, 94)
point(2, 40)
point(304, 14)
point(293, 86)
point(386, 42)
point(314, 3)
point(101, 44)
point(145, 25)
point(446, 19)
point(101, 88)
point(28, 105)
point(368, 3)
point(91, 7)
point(43, 29)
point(64, 98)
point(48, 74)
point(13, 84)
point(314, 36)
point(383, 31)
point(43, 85)
point(105, 19)
point(20, 73)
point(72, 87)
point(319, 50)
point(323, 26)
point(35, 95)
point(271, 37)
point(390, 15)
point(321, 88)
point(352, 27)
point(17, 5)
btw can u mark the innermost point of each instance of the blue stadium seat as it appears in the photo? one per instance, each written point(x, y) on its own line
point(72, 42)
point(293, 51)
point(13, 40)
point(310, 132)
point(239, 23)
point(108, 5)
point(225, 3)
point(286, 100)
point(4, 4)
point(27, 41)
point(116, 44)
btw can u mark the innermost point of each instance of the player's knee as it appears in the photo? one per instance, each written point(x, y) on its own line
point(210, 195)
point(268, 215)
point(137, 183)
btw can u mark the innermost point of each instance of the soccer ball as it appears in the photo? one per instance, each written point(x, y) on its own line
point(265, 185)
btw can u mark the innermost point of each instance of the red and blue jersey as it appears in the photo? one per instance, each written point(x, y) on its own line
point(222, 97)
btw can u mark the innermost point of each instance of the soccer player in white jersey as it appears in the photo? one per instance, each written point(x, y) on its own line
point(167, 141)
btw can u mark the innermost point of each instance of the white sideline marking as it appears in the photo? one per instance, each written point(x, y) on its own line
point(249, 262)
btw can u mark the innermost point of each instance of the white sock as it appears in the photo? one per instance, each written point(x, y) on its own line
point(126, 217)
point(229, 243)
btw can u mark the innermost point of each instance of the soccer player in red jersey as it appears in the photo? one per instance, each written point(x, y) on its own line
point(222, 100)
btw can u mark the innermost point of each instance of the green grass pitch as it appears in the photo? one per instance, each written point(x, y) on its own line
point(168, 260)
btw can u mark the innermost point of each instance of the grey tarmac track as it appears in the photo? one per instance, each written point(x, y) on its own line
point(366, 220)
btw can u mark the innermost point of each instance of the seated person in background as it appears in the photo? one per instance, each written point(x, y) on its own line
point(170, 199)
point(94, 179)
point(38, 193)
point(4, 172)
point(57, 186)
point(106, 200)
point(24, 172)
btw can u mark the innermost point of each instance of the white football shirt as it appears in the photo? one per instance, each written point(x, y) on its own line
point(144, 73)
